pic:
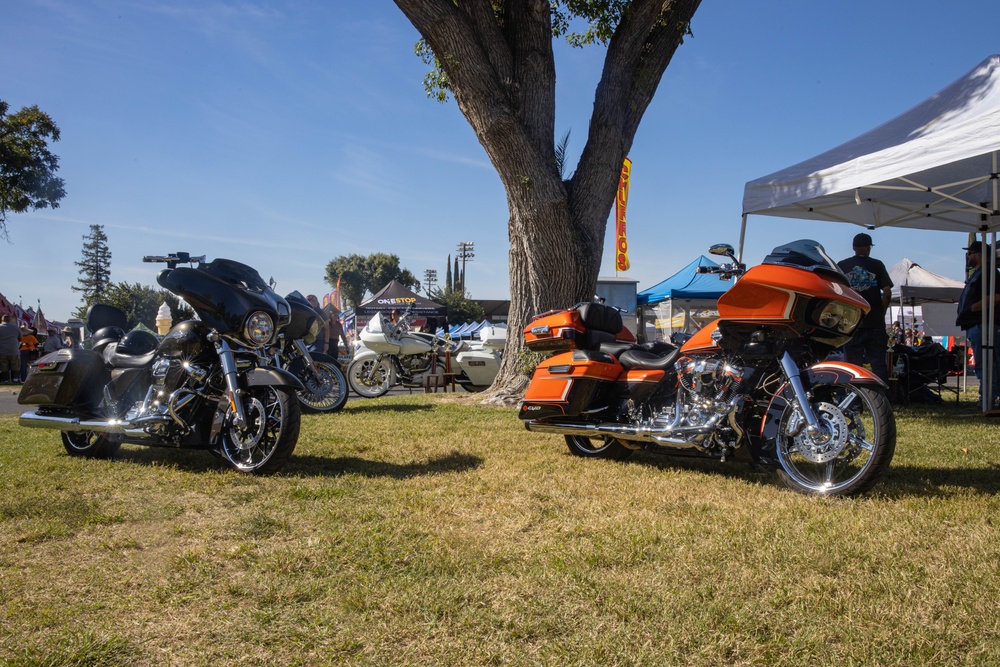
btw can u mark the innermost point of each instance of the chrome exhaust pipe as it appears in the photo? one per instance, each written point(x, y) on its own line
point(71, 422)
point(685, 437)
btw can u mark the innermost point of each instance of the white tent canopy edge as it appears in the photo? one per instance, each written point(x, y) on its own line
point(934, 167)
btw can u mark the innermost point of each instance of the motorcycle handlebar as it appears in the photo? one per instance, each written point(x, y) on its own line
point(175, 258)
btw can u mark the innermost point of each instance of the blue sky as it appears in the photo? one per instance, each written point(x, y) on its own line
point(284, 134)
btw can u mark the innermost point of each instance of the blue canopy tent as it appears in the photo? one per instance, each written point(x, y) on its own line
point(685, 301)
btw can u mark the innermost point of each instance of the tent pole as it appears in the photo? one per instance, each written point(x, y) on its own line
point(743, 235)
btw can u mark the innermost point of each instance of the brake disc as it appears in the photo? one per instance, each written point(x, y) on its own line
point(826, 447)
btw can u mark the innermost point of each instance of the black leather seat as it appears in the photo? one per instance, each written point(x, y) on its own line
point(116, 359)
point(641, 359)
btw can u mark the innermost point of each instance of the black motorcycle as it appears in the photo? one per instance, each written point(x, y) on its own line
point(324, 386)
point(202, 386)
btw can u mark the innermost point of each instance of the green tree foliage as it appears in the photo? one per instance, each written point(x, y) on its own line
point(140, 304)
point(358, 274)
point(27, 166)
point(95, 267)
point(461, 308)
point(448, 284)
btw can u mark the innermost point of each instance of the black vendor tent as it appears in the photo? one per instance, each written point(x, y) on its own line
point(395, 295)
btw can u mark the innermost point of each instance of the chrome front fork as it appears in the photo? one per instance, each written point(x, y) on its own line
point(229, 371)
point(814, 429)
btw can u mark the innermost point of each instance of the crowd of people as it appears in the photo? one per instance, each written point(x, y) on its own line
point(19, 346)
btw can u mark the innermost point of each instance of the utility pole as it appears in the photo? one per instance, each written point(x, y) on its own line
point(465, 253)
point(430, 278)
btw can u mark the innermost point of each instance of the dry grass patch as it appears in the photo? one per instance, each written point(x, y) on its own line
point(429, 530)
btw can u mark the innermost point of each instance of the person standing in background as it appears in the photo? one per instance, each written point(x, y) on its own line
point(10, 350)
point(970, 317)
point(869, 277)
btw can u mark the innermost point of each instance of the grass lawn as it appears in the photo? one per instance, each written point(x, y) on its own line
point(428, 530)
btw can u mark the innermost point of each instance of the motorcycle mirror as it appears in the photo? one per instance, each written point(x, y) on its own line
point(722, 249)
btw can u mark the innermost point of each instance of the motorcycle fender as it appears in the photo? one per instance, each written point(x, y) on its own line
point(841, 372)
point(825, 372)
point(274, 377)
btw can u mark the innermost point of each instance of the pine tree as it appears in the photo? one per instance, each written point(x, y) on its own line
point(95, 267)
point(459, 286)
point(447, 282)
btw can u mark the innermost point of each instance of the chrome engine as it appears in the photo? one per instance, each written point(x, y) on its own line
point(174, 385)
point(699, 415)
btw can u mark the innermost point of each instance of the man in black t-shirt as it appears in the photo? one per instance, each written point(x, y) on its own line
point(870, 279)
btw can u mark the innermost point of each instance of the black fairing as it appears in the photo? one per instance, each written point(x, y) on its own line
point(224, 292)
point(305, 322)
point(186, 340)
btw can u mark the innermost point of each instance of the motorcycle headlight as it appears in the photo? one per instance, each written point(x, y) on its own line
point(259, 329)
point(839, 317)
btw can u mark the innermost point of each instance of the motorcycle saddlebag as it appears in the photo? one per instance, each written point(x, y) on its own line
point(567, 384)
point(65, 377)
point(585, 326)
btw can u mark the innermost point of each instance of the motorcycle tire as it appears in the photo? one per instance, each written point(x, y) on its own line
point(862, 440)
point(90, 444)
point(601, 447)
point(271, 432)
point(367, 380)
point(325, 389)
point(474, 388)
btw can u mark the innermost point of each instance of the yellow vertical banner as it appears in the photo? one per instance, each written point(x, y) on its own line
point(621, 243)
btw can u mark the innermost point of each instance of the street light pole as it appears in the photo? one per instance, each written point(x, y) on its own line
point(465, 253)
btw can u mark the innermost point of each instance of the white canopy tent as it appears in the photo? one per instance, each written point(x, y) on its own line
point(934, 294)
point(934, 167)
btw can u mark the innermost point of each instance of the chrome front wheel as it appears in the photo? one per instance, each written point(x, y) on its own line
point(851, 449)
point(263, 444)
point(370, 377)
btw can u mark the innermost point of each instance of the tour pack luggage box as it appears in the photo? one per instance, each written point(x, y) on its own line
point(584, 326)
point(555, 331)
point(65, 377)
point(566, 384)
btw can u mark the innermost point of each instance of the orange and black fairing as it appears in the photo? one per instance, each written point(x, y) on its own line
point(568, 383)
point(772, 303)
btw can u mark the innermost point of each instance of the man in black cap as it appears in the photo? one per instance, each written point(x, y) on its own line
point(870, 279)
point(970, 316)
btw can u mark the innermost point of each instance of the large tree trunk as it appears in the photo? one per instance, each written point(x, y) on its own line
point(501, 69)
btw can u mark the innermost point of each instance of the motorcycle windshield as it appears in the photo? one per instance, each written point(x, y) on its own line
point(804, 254)
point(224, 292)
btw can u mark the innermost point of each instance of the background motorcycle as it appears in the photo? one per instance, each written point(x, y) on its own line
point(324, 385)
point(202, 386)
point(391, 355)
point(752, 384)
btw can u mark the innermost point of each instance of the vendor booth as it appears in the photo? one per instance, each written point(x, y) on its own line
point(934, 167)
point(684, 302)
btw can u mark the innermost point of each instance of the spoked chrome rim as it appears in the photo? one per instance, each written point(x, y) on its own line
point(840, 454)
point(369, 378)
point(250, 447)
point(323, 387)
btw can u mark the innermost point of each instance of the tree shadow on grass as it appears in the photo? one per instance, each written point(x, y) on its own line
point(906, 481)
point(374, 406)
point(898, 482)
point(202, 461)
point(319, 466)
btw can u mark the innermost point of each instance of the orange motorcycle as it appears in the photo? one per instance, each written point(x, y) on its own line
point(753, 385)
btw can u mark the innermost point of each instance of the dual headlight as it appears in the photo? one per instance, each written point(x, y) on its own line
point(839, 317)
point(259, 329)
